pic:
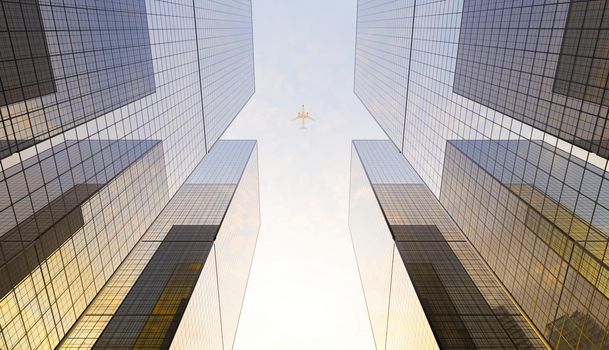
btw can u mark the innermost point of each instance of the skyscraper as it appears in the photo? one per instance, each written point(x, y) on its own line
point(184, 281)
point(499, 107)
point(107, 108)
point(554, 259)
point(425, 285)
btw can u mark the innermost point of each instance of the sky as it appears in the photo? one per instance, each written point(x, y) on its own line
point(304, 290)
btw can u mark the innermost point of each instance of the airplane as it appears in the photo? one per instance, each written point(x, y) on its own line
point(303, 116)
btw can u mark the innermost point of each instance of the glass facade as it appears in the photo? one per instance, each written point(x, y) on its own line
point(57, 259)
point(438, 109)
point(88, 59)
point(106, 108)
point(543, 64)
point(457, 301)
point(226, 63)
point(383, 52)
point(505, 120)
point(26, 65)
point(195, 256)
point(34, 239)
point(396, 317)
point(547, 248)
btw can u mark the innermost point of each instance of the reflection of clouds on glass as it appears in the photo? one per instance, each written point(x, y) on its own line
point(202, 202)
point(533, 187)
point(78, 276)
point(434, 112)
point(200, 326)
point(407, 325)
point(235, 247)
point(456, 294)
point(373, 248)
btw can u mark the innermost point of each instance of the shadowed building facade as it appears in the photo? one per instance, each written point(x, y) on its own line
point(432, 71)
point(66, 64)
point(545, 65)
point(107, 107)
point(425, 285)
point(548, 248)
point(499, 106)
point(182, 285)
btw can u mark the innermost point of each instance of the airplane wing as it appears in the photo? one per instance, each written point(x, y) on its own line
point(296, 118)
point(309, 117)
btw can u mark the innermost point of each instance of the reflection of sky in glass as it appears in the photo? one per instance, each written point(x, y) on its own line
point(206, 201)
point(434, 112)
point(384, 164)
point(82, 276)
point(231, 257)
point(396, 316)
point(548, 258)
point(226, 63)
point(101, 61)
point(235, 248)
point(450, 278)
point(505, 67)
point(382, 59)
point(373, 248)
point(227, 160)
point(582, 188)
point(142, 88)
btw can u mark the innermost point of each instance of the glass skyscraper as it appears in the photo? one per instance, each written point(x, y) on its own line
point(499, 107)
point(552, 254)
point(425, 285)
point(184, 281)
point(116, 200)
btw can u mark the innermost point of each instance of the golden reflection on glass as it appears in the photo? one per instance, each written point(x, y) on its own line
point(222, 190)
point(407, 325)
point(437, 280)
point(200, 327)
point(539, 248)
point(54, 295)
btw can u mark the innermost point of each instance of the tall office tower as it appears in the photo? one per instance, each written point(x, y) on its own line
point(542, 237)
point(106, 108)
point(440, 77)
point(182, 285)
point(425, 285)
